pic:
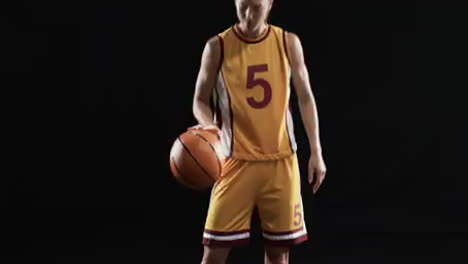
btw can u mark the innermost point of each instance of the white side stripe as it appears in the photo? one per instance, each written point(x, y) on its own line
point(286, 237)
point(290, 130)
point(225, 109)
point(227, 238)
point(289, 118)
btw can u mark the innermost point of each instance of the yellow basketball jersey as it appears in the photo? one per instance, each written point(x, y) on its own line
point(252, 95)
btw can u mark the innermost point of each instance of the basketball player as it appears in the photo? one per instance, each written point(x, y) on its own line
point(246, 69)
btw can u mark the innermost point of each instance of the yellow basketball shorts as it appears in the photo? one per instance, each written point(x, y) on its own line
point(273, 187)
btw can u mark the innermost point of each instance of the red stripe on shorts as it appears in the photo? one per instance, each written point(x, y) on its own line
point(283, 233)
point(224, 233)
point(286, 243)
point(216, 243)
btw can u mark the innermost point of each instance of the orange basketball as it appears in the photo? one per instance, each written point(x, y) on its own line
point(196, 159)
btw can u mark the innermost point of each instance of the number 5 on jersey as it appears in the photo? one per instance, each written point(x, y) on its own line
point(253, 82)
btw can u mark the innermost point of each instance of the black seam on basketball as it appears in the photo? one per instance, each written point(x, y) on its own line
point(175, 166)
point(180, 173)
point(216, 154)
point(196, 161)
point(188, 184)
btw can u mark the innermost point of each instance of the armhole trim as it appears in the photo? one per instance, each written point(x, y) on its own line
point(285, 44)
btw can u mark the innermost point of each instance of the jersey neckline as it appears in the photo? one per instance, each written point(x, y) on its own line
point(246, 39)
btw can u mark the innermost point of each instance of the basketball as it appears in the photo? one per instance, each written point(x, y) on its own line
point(196, 159)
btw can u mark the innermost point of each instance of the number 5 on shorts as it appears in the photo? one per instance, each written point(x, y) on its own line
point(297, 214)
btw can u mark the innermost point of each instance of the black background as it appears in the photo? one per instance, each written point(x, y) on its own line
point(103, 89)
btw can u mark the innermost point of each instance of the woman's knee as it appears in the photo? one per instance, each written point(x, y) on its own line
point(215, 255)
point(276, 255)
